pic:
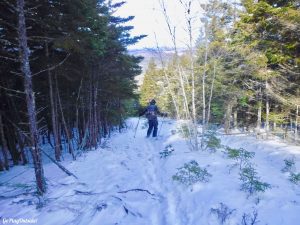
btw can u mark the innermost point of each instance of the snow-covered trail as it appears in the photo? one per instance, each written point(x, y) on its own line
point(127, 183)
point(149, 173)
point(122, 183)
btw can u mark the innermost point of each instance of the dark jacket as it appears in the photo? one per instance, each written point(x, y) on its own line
point(151, 112)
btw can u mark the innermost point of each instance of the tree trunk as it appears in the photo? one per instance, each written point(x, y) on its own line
point(30, 99)
point(21, 146)
point(95, 122)
point(228, 117)
point(99, 116)
point(203, 87)
point(90, 121)
point(59, 135)
point(189, 22)
point(77, 114)
point(58, 123)
point(71, 151)
point(17, 134)
point(259, 110)
point(167, 80)
point(4, 144)
point(267, 115)
point(258, 125)
point(185, 100)
point(172, 33)
point(11, 146)
point(1, 164)
point(53, 114)
point(296, 123)
point(204, 76)
point(235, 122)
point(211, 94)
point(84, 123)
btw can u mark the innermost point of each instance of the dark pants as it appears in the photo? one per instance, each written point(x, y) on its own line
point(152, 126)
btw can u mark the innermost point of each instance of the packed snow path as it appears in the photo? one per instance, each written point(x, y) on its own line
point(126, 182)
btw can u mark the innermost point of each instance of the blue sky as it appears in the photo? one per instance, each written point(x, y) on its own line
point(149, 19)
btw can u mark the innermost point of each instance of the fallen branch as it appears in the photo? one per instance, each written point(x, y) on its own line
point(2, 183)
point(53, 160)
point(136, 189)
point(59, 165)
point(85, 192)
point(16, 196)
point(127, 211)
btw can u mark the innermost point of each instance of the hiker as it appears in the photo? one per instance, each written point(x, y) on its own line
point(151, 114)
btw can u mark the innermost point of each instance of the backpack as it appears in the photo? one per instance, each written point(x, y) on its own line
point(151, 112)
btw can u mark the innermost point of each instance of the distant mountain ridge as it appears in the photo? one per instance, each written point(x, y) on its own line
point(149, 53)
point(152, 53)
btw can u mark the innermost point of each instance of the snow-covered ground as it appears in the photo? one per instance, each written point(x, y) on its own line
point(127, 182)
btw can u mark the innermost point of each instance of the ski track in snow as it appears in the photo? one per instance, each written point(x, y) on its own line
point(127, 183)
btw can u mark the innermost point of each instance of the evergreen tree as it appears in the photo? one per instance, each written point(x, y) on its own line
point(78, 63)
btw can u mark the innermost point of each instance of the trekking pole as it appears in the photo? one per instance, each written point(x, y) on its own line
point(136, 127)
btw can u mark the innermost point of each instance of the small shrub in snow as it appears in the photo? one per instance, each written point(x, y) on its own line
point(223, 212)
point(191, 173)
point(289, 165)
point(185, 130)
point(249, 219)
point(251, 182)
point(295, 178)
point(291, 168)
point(241, 156)
point(212, 143)
point(167, 151)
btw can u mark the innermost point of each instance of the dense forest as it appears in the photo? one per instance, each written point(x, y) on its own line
point(243, 71)
point(66, 78)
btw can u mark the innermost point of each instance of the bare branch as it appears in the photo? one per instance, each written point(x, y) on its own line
point(9, 24)
point(52, 67)
point(16, 91)
point(10, 5)
point(35, 7)
point(17, 74)
point(7, 42)
point(8, 58)
point(40, 38)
